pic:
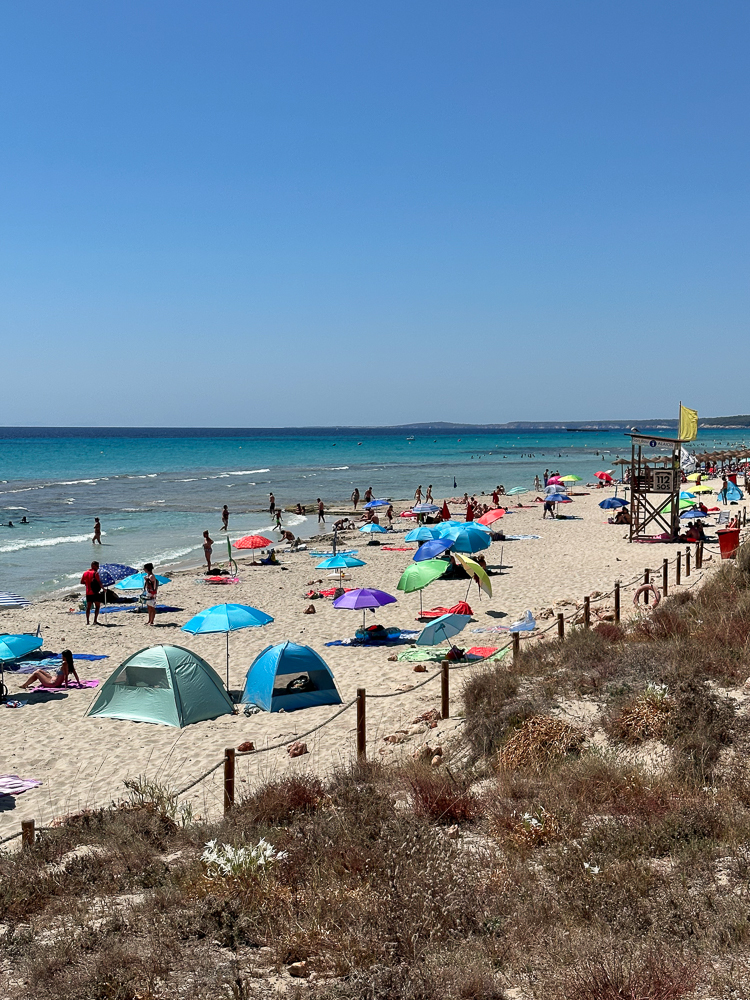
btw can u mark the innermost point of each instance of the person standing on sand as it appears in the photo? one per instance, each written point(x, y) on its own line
point(208, 548)
point(150, 586)
point(225, 518)
point(389, 515)
point(93, 585)
point(355, 497)
point(97, 532)
point(368, 494)
point(418, 495)
point(428, 495)
point(271, 503)
point(321, 512)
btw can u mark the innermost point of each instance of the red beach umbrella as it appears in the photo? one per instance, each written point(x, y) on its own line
point(408, 513)
point(604, 476)
point(469, 512)
point(489, 518)
point(252, 542)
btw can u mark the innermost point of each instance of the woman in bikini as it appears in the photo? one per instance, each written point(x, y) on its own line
point(208, 548)
point(45, 678)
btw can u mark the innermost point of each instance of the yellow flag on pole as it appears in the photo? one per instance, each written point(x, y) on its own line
point(688, 424)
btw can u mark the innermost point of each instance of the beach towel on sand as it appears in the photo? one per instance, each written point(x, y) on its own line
point(437, 654)
point(72, 686)
point(11, 784)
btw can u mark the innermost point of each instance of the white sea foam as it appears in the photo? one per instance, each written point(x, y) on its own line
point(25, 489)
point(75, 482)
point(337, 468)
point(15, 508)
point(43, 543)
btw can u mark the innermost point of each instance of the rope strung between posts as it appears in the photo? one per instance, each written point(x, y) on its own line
point(301, 736)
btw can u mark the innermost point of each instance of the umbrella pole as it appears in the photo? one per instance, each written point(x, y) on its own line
point(227, 634)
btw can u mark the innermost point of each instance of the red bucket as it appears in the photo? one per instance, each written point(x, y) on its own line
point(729, 542)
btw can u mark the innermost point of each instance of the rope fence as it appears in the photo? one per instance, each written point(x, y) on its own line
point(580, 615)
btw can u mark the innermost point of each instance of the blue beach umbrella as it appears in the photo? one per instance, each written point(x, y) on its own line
point(557, 498)
point(110, 573)
point(340, 562)
point(226, 618)
point(693, 513)
point(377, 503)
point(687, 496)
point(373, 529)
point(612, 503)
point(441, 629)
point(12, 647)
point(137, 581)
point(435, 547)
point(423, 533)
point(517, 491)
point(471, 540)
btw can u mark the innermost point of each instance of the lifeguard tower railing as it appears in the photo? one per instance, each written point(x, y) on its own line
point(654, 486)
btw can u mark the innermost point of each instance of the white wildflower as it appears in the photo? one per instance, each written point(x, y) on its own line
point(226, 861)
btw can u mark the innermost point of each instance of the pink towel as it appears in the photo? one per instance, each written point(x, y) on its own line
point(73, 686)
point(11, 784)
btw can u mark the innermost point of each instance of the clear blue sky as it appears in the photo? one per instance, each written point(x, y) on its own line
point(274, 213)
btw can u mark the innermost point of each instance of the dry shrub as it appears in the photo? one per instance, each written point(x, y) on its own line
point(539, 741)
point(643, 718)
point(617, 976)
point(699, 726)
point(610, 631)
point(279, 801)
point(492, 707)
point(442, 797)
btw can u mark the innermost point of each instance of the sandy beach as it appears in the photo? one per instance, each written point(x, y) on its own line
point(83, 762)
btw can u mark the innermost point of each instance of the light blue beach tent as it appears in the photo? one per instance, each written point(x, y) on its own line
point(289, 676)
point(168, 685)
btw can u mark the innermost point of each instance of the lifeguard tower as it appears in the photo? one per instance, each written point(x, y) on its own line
point(655, 482)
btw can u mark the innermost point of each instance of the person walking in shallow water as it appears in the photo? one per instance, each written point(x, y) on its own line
point(97, 532)
point(355, 497)
point(321, 512)
point(271, 503)
point(225, 518)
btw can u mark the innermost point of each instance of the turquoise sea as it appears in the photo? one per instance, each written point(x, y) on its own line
point(155, 491)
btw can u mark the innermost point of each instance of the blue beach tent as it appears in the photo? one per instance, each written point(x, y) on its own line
point(289, 676)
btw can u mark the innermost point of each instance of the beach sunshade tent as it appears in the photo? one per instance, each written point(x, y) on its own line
point(166, 685)
point(428, 550)
point(422, 534)
point(362, 599)
point(137, 581)
point(442, 629)
point(476, 572)
point(111, 573)
point(289, 676)
point(226, 618)
point(612, 503)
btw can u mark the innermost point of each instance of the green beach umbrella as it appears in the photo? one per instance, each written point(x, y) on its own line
point(517, 491)
point(570, 479)
point(418, 575)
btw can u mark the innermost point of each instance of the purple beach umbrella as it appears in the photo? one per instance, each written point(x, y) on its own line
point(363, 598)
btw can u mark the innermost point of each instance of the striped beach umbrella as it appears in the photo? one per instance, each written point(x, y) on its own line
point(13, 601)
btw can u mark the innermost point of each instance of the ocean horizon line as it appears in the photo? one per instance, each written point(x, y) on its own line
point(653, 423)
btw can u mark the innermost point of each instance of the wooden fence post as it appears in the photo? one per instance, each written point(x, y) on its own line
point(678, 569)
point(560, 625)
point(687, 560)
point(516, 647)
point(699, 555)
point(587, 612)
point(646, 581)
point(665, 578)
point(361, 724)
point(228, 779)
point(617, 601)
point(28, 833)
point(445, 710)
